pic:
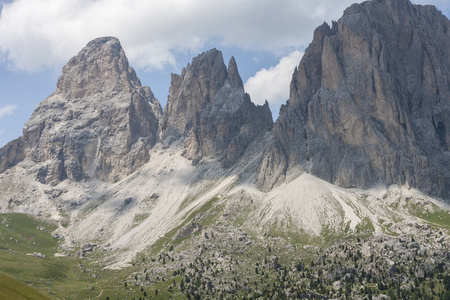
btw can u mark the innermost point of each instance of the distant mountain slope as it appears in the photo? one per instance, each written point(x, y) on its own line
point(369, 102)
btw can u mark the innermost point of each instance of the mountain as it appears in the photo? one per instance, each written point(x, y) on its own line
point(369, 103)
point(101, 147)
point(99, 123)
point(208, 107)
point(341, 198)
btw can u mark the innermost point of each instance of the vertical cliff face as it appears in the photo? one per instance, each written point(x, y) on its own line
point(191, 91)
point(369, 102)
point(208, 107)
point(99, 123)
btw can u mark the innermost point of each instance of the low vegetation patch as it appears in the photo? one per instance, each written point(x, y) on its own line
point(11, 288)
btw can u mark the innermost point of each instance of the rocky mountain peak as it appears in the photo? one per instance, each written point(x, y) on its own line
point(208, 108)
point(369, 102)
point(100, 122)
point(101, 66)
point(193, 90)
point(233, 74)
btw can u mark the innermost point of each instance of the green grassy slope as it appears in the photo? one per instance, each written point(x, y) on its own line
point(22, 235)
point(11, 288)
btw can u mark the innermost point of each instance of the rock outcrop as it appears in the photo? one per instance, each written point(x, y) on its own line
point(208, 107)
point(369, 102)
point(99, 123)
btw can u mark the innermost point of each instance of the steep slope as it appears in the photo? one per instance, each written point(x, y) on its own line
point(14, 289)
point(208, 107)
point(369, 102)
point(99, 123)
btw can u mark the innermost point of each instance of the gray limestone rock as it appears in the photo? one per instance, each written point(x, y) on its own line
point(208, 107)
point(369, 102)
point(187, 230)
point(100, 122)
point(191, 91)
point(11, 154)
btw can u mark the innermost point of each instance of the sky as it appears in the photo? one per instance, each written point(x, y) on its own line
point(266, 37)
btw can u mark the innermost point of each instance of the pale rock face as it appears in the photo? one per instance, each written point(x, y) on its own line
point(189, 93)
point(369, 102)
point(208, 106)
point(100, 67)
point(100, 122)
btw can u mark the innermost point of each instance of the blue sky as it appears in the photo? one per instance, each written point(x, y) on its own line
point(267, 38)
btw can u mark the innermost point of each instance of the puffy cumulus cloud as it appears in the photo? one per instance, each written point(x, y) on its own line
point(273, 84)
point(46, 33)
point(7, 110)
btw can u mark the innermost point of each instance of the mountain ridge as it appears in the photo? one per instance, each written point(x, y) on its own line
point(340, 125)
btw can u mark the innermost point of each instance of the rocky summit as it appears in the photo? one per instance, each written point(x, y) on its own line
point(369, 102)
point(208, 107)
point(345, 196)
point(99, 123)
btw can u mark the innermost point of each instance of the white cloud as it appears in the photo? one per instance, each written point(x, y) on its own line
point(7, 110)
point(46, 33)
point(273, 84)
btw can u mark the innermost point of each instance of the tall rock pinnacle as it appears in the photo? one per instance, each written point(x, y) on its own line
point(99, 123)
point(208, 107)
point(192, 91)
point(369, 102)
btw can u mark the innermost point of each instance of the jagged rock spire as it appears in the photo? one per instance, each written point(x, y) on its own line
point(233, 74)
point(192, 91)
point(208, 107)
